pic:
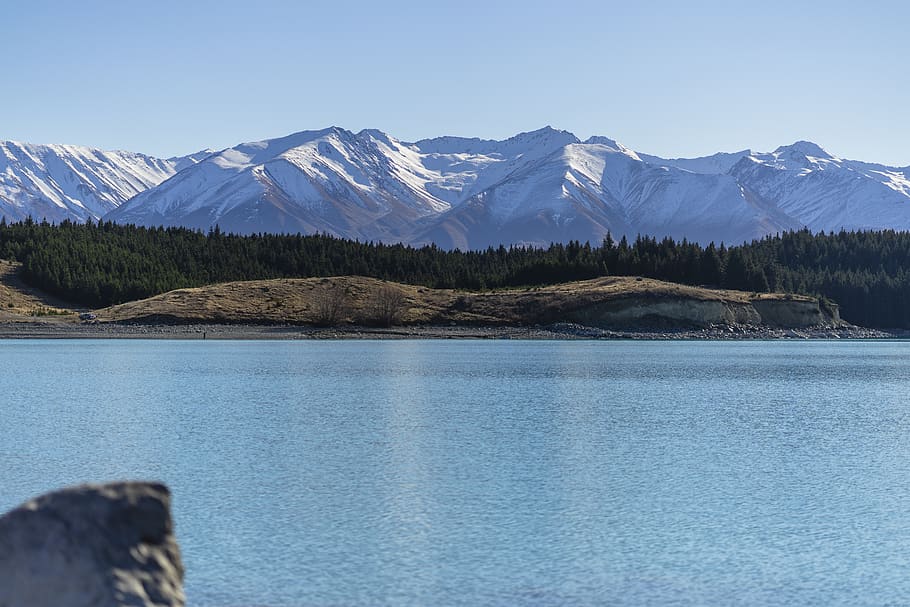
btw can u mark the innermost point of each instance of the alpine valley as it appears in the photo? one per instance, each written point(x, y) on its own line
point(532, 189)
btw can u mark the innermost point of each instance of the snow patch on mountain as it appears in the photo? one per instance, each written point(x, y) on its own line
point(716, 164)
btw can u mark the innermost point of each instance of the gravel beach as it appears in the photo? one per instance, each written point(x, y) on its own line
point(70, 330)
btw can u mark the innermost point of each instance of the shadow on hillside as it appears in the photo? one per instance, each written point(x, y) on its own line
point(17, 296)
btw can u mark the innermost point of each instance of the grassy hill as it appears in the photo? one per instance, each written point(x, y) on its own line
point(626, 302)
point(611, 302)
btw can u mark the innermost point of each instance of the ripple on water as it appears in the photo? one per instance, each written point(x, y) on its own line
point(489, 473)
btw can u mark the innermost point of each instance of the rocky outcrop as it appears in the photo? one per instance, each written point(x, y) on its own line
point(92, 546)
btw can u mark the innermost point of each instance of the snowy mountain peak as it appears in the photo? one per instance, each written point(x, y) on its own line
point(805, 149)
point(267, 148)
point(377, 135)
point(546, 135)
point(599, 140)
point(611, 144)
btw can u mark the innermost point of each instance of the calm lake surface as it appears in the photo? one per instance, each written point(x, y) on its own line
point(489, 473)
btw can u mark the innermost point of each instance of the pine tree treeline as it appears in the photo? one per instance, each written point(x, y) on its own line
point(99, 264)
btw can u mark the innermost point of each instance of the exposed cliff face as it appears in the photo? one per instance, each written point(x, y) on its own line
point(678, 312)
point(664, 313)
point(92, 546)
point(790, 313)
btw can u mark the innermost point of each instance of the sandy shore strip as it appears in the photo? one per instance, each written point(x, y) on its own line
point(560, 331)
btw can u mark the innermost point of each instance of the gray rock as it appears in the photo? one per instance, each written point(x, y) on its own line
point(92, 546)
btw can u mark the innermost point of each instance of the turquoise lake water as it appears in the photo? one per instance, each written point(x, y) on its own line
point(489, 472)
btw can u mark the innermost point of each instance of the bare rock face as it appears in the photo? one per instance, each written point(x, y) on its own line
point(670, 312)
point(674, 312)
point(796, 314)
point(92, 546)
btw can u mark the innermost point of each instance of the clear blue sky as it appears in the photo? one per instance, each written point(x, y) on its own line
point(672, 78)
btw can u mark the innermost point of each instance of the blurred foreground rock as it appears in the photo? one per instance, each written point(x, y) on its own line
point(92, 546)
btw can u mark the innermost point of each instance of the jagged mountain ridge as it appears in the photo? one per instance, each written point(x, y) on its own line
point(534, 188)
point(58, 182)
point(366, 185)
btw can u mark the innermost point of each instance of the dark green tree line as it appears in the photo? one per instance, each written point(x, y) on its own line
point(99, 264)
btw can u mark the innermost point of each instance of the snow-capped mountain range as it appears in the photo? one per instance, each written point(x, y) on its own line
point(534, 188)
point(58, 182)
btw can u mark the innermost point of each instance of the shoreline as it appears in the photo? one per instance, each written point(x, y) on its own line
point(558, 331)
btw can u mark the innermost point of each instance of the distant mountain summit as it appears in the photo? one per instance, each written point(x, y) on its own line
point(533, 188)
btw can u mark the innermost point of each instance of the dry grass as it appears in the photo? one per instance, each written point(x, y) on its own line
point(354, 301)
point(19, 302)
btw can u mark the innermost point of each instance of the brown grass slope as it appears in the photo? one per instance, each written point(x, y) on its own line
point(20, 302)
point(605, 302)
